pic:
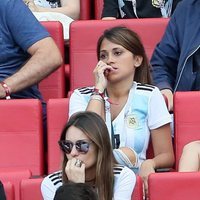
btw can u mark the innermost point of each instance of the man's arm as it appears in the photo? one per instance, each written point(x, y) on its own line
point(45, 58)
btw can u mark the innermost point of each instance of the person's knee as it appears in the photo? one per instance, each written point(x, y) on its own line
point(192, 146)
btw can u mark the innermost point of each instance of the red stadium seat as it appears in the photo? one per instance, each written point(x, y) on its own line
point(83, 41)
point(138, 190)
point(21, 135)
point(53, 86)
point(9, 190)
point(186, 120)
point(57, 115)
point(85, 9)
point(98, 7)
point(14, 177)
point(174, 186)
point(30, 189)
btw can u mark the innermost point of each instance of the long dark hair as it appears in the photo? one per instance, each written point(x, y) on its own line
point(95, 128)
point(131, 41)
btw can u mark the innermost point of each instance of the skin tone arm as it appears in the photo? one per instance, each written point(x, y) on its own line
point(168, 93)
point(101, 84)
point(163, 152)
point(45, 58)
point(70, 8)
point(190, 158)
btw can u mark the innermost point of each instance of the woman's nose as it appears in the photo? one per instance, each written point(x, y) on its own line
point(74, 151)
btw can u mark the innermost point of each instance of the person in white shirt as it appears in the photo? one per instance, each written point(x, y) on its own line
point(133, 109)
point(88, 158)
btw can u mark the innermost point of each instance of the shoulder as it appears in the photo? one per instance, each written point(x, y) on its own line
point(84, 90)
point(52, 182)
point(121, 170)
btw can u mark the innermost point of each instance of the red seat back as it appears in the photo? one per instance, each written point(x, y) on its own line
point(30, 189)
point(9, 190)
point(57, 116)
point(83, 41)
point(85, 9)
point(53, 86)
point(14, 177)
point(21, 135)
point(186, 120)
point(98, 7)
point(138, 190)
point(174, 186)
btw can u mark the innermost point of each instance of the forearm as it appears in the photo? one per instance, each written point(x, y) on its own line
point(43, 61)
point(96, 106)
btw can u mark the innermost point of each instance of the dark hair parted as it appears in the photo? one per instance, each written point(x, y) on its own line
point(131, 41)
point(95, 128)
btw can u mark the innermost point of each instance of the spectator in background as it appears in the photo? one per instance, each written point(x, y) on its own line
point(64, 11)
point(176, 59)
point(133, 109)
point(27, 52)
point(127, 9)
point(88, 158)
point(75, 191)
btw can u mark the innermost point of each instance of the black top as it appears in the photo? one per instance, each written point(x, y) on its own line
point(143, 8)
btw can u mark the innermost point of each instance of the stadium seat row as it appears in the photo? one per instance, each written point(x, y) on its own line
point(82, 50)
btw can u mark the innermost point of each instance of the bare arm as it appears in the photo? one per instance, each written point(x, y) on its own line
point(45, 58)
point(70, 8)
point(163, 153)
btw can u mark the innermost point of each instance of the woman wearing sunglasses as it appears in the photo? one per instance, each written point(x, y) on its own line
point(133, 109)
point(88, 158)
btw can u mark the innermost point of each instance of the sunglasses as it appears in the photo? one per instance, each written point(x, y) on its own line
point(82, 146)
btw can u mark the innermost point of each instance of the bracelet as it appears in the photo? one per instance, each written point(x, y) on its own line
point(97, 97)
point(98, 92)
point(6, 89)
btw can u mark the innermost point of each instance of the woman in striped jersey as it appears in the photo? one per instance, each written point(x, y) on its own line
point(88, 158)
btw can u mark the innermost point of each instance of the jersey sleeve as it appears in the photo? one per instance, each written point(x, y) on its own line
point(77, 102)
point(158, 115)
point(124, 185)
point(48, 189)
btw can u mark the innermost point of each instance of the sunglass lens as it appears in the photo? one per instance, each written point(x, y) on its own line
point(66, 146)
point(82, 146)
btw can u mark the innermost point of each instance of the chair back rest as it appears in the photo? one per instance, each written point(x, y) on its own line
point(21, 135)
point(53, 86)
point(14, 177)
point(57, 116)
point(98, 7)
point(174, 186)
point(30, 189)
point(186, 120)
point(85, 9)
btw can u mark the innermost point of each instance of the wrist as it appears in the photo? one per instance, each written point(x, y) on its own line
point(6, 89)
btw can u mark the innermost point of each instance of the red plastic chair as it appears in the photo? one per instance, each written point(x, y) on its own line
point(174, 186)
point(186, 120)
point(98, 7)
point(83, 41)
point(53, 86)
point(9, 190)
point(21, 135)
point(138, 190)
point(30, 189)
point(14, 177)
point(57, 116)
point(85, 9)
